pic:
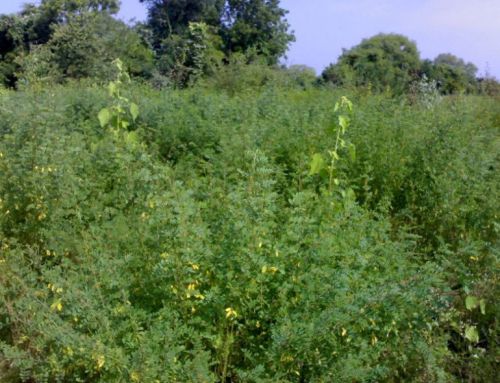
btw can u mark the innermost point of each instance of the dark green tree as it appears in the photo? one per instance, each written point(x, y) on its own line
point(172, 17)
point(256, 26)
point(42, 18)
point(452, 74)
point(252, 27)
point(87, 44)
point(35, 25)
point(12, 29)
point(383, 61)
point(188, 57)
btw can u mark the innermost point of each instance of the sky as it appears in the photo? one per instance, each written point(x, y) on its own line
point(469, 29)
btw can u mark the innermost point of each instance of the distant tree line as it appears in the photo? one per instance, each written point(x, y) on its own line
point(392, 61)
point(183, 41)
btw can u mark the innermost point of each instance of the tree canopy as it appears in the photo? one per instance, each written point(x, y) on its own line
point(254, 27)
point(382, 61)
point(452, 74)
point(68, 39)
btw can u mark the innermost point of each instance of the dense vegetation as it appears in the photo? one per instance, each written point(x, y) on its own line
point(192, 212)
point(198, 235)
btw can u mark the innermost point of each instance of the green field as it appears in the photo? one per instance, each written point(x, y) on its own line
point(240, 237)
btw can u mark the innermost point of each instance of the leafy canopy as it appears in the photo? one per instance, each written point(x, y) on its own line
point(382, 61)
point(254, 27)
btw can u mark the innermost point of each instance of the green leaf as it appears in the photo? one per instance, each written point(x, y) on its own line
point(112, 88)
point(352, 152)
point(119, 64)
point(104, 117)
point(134, 111)
point(132, 138)
point(317, 164)
point(471, 334)
point(344, 123)
point(471, 302)
point(482, 305)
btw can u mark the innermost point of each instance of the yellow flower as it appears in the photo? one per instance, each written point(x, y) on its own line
point(344, 332)
point(271, 270)
point(231, 313)
point(56, 305)
point(135, 377)
point(374, 340)
point(100, 360)
point(194, 266)
point(286, 358)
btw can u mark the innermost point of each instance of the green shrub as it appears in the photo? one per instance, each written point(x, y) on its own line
point(203, 250)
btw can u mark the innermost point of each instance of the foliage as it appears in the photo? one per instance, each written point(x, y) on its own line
point(86, 45)
point(425, 91)
point(382, 61)
point(117, 115)
point(186, 59)
point(451, 73)
point(249, 27)
point(200, 249)
point(75, 39)
point(258, 25)
point(318, 163)
point(302, 76)
point(172, 17)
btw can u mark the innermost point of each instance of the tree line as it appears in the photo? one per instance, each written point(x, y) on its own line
point(185, 40)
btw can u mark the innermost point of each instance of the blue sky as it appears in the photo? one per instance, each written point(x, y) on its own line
point(469, 29)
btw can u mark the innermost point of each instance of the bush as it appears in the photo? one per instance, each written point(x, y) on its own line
point(195, 246)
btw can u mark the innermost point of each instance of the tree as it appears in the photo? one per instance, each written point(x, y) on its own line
point(42, 18)
point(256, 25)
point(188, 57)
point(452, 74)
point(383, 61)
point(169, 17)
point(25, 32)
point(253, 27)
point(87, 44)
point(11, 43)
